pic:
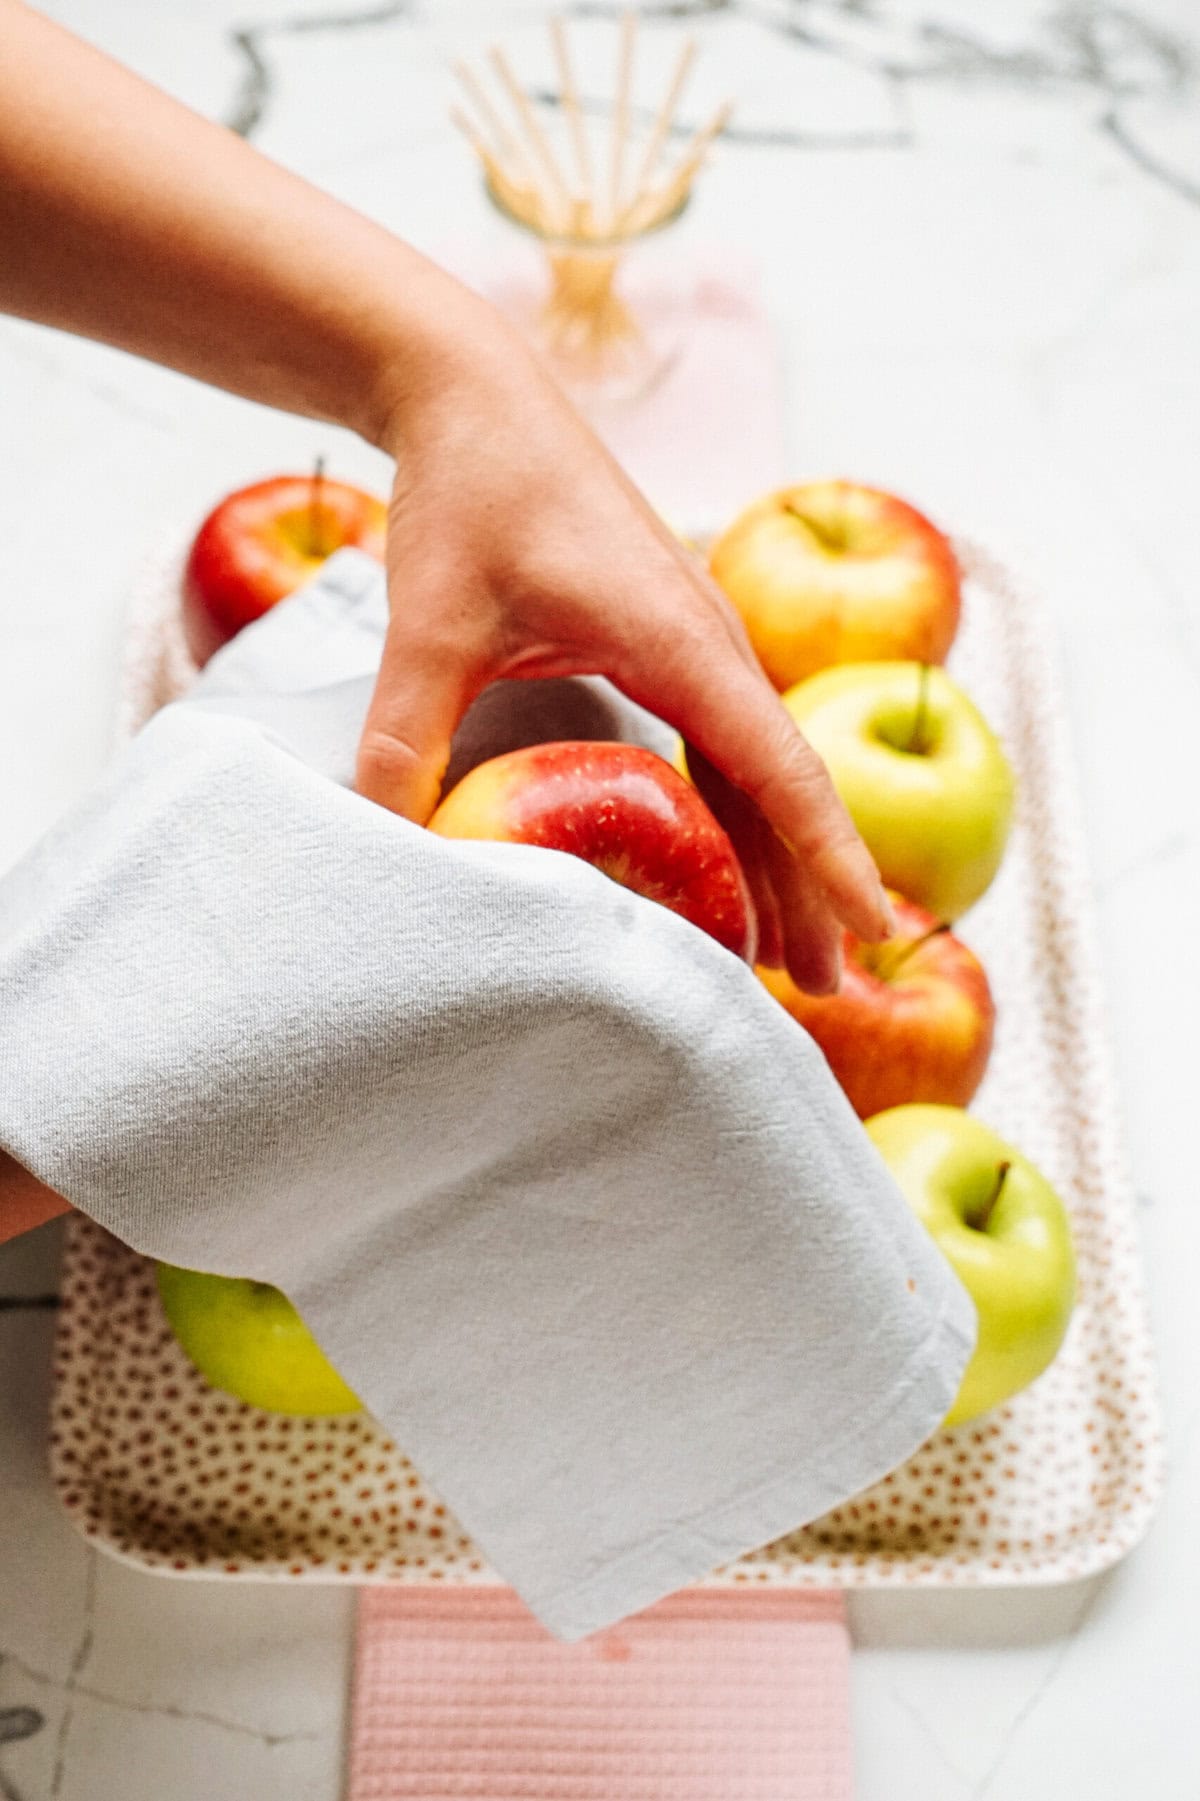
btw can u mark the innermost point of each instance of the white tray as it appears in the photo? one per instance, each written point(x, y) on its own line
point(164, 1472)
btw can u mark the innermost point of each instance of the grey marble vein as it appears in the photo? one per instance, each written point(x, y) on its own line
point(1112, 51)
point(899, 137)
point(79, 1662)
point(254, 92)
point(1166, 850)
point(929, 1735)
point(166, 1710)
point(39, 354)
point(1115, 127)
point(255, 86)
point(1049, 1677)
point(16, 1724)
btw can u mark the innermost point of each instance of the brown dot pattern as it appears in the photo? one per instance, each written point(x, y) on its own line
point(159, 1469)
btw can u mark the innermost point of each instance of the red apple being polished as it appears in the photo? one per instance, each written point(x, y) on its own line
point(620, 808)
point(833, 572)
point(913, 1020)
point(263, 542)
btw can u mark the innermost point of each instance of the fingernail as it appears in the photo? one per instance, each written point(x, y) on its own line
point(887, 913)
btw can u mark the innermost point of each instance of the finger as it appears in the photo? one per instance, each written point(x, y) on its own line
point(813, 939)
point(421, 693)
point(692, 565)
point(736, 720)
point(719, 605)
point(748, 833)
point(734, 624)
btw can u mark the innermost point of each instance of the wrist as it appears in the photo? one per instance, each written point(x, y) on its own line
point(445, 342)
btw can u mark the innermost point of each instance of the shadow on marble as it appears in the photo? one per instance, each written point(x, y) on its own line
point(29, 1266)
point(26, 1352)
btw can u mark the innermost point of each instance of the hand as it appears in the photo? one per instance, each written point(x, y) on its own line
point(517, 548)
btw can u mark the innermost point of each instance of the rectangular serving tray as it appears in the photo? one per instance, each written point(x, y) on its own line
point(168, 1474)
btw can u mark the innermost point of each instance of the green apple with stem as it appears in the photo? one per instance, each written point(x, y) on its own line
point(246, 1338)
point(1005, 1232)
point(921, 772)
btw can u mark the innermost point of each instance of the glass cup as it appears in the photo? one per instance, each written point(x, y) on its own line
point(607, 313)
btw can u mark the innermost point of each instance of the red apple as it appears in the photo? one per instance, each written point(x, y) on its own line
point(620, 808)
point(832, 572)
point(912, 1021)
point(264, 541)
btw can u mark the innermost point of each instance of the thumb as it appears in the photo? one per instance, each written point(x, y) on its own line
point(421, 694)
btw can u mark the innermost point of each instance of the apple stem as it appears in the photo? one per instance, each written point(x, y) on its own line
point(908, 947)
point(981, 1224)
point(916, 745)
point(315, 538)
point(828, 537)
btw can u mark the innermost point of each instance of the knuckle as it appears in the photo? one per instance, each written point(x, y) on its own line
point(384, 753)
point(391, 770)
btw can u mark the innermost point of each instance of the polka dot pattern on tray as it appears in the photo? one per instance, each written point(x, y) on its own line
point(163, 1471)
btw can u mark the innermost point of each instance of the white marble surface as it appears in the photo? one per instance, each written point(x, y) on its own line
point(979, 225)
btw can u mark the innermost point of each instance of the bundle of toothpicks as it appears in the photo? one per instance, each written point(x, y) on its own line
point(607, 195)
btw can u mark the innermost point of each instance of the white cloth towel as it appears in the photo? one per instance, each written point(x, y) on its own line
point(572, 1204)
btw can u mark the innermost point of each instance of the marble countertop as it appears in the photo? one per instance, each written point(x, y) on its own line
point(978, 223)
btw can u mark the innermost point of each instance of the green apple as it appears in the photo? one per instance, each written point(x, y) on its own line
point(1005, 1232)
point(247, 1338)
point(920, 771)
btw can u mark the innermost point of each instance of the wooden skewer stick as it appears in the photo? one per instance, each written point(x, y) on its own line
point(665, 119)
point(484, 152)
point(501, 135)
point(685, 170)
point(573, 112)
point(534, 135)
point(568, 195)
point(507, 185)
point(620, 120)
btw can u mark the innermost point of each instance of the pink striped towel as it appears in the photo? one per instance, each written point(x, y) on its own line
point(712, 1695)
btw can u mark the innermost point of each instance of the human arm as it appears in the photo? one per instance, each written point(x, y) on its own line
point(516, 545)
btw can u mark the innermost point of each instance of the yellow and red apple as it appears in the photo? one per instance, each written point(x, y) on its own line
point(913, 1020)
point(262, 543)
point(833, 572)
point(624, 810)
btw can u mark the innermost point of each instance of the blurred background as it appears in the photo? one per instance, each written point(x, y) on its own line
point(975, 227)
